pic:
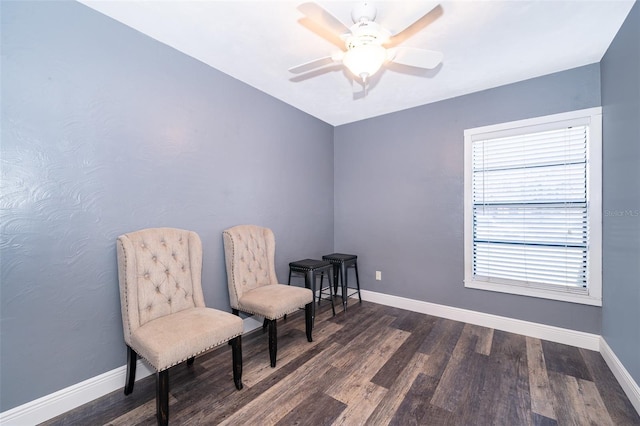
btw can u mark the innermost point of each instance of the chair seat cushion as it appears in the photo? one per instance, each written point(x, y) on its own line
point(275, 300)
point(172, 339)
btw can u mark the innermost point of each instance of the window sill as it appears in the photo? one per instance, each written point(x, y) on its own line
point(564, 296)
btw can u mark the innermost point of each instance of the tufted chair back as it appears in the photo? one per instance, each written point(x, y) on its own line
point(160, 271)
point(250, 259)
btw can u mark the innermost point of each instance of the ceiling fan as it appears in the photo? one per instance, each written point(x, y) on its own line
point(366, 45)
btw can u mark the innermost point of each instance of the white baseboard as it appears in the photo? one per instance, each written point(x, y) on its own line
point(541, 331)
point(627, 383)
point(52, 405)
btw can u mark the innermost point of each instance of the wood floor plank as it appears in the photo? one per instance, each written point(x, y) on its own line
point(355, 388)
point(505, 397)
point(365, 364)
point(378, 339)
point(143, 414)
point(414, 408)
point(317, 410)
point(485, 338)
point(565, 359)
point(439, 345)
point(388, 374)
point(361, 404)
point(443, 336)
point(595, 408)
point(407, 320)
point(540, 420)
point(574, 397)
point(463, 377)
point(387, 408)
point(539, 387)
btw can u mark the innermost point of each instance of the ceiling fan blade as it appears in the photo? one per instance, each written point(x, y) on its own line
point(416, 27)
point(311, 65)
point(317, 13)
point(322, 31)
point(413, 57)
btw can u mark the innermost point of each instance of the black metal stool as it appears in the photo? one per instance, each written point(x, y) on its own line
point(341, 263)
point(309, 267)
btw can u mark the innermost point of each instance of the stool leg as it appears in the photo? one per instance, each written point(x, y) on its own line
point(343, 277)
point(357, 281)
point(333, 309)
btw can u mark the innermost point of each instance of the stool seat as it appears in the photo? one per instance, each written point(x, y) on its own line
point(309, 267)
point(341, 263)
point(339, 257)
point(308, 264)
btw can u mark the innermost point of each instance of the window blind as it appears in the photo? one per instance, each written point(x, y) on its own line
point(530, 220)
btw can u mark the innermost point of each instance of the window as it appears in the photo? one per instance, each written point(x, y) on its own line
point(533, 207)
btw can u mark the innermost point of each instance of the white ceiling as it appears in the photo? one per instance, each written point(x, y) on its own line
point(485, 44)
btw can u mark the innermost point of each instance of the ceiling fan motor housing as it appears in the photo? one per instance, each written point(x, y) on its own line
point(363, 11)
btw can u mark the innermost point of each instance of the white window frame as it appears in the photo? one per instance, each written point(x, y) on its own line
point(593, 116)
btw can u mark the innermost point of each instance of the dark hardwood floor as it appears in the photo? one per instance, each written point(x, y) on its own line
point(378, 365)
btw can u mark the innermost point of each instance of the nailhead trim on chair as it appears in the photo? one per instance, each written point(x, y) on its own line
point(233, 278)
point(280, 315)
point(126, 295)
point(194, 355)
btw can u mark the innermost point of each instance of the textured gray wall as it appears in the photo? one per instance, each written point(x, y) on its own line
point(399, 195)
point(620, 70)
point(106, 131)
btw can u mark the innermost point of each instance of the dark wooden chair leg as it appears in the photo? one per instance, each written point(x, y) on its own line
point(273, 341)
point(308, 319)
point(265, 324)
point(132, 358)
point(162, 397)
point(236, 354)
point(190, 361)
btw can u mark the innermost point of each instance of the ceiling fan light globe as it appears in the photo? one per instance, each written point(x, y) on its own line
point(365, 59)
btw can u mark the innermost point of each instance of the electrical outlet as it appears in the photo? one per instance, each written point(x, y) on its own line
point(378, 275)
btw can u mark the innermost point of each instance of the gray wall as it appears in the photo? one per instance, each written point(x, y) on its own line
point(106, 131)
point(399, 195)
point(620, 70)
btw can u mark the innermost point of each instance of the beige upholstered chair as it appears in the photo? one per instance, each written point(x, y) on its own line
point(253, 286)
point(163, 313)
